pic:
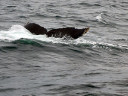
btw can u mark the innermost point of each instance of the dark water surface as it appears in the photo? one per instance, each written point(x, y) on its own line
point(93, 65)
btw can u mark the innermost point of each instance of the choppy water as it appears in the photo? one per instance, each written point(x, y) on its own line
point(93, 65)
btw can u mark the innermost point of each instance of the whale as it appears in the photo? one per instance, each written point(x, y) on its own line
point(57, 33)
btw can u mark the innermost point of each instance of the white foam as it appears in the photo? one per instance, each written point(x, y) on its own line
point(99, 17)
point(14, 33)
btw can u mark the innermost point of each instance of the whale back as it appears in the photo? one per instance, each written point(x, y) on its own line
point(35, 29)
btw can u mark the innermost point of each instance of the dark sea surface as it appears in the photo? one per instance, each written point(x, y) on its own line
point(95, 64)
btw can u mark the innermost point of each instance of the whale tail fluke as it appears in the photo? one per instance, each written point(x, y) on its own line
point(57, 33)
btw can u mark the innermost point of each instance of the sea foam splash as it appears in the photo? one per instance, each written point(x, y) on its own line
point(99, 17)
point(17, 32)
point(14, 33)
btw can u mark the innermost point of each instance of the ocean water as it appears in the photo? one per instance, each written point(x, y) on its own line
point(95, 64)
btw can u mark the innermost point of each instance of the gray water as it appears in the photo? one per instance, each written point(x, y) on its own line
point(96, 64)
